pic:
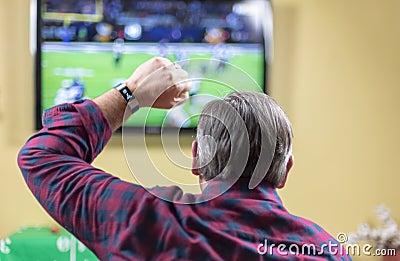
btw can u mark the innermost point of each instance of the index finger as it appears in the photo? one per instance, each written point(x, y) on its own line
point(164, 61)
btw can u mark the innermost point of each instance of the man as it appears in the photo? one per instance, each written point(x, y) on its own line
point(118, 220)
point(118, 50)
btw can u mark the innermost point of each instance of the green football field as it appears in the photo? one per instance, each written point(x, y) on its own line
point(99, 73)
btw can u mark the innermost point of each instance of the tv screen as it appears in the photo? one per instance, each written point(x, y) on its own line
point(86, 47)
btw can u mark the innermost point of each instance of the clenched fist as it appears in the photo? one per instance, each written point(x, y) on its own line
point(159, 83)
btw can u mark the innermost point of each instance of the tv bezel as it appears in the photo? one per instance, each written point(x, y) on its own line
point(267, 40)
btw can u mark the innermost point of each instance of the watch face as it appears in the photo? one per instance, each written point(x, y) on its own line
point(125, 92)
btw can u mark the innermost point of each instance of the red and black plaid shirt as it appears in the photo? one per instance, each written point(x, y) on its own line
point(119, 220)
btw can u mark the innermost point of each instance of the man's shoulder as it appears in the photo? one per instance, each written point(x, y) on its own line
point(311, 239)
point(308, 230)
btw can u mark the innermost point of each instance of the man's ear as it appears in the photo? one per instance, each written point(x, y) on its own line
point(289, 166)
point(195, 171)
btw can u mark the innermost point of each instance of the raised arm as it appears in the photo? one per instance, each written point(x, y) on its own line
point(55, 162)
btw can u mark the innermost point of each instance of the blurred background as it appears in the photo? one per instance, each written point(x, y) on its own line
point(335, 71)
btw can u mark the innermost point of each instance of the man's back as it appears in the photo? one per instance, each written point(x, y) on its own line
point(124, 221)
point(119, 220)
point(237, 225)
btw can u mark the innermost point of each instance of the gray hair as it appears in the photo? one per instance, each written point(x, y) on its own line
point(221, 133)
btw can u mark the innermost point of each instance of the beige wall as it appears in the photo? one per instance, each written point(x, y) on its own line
point(336, 71)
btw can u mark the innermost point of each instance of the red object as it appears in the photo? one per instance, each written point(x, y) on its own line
point(392, 258)
point(55, 230)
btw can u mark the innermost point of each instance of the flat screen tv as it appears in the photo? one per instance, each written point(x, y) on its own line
point(85, 47)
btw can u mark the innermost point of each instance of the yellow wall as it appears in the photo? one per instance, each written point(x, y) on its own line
point(336, 72)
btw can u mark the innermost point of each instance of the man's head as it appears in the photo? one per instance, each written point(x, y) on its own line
point(226, 126)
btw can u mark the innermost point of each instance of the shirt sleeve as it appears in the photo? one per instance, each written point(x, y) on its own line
point(55, 163)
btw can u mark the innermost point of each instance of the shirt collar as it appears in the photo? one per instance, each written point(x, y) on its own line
point(240, 190)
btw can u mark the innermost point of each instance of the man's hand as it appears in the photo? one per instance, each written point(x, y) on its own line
point(159, 83)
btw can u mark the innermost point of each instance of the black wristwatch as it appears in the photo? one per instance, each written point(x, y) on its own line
point(128, 96)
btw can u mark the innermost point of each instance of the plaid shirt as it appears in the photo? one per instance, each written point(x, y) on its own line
point(119, 220)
